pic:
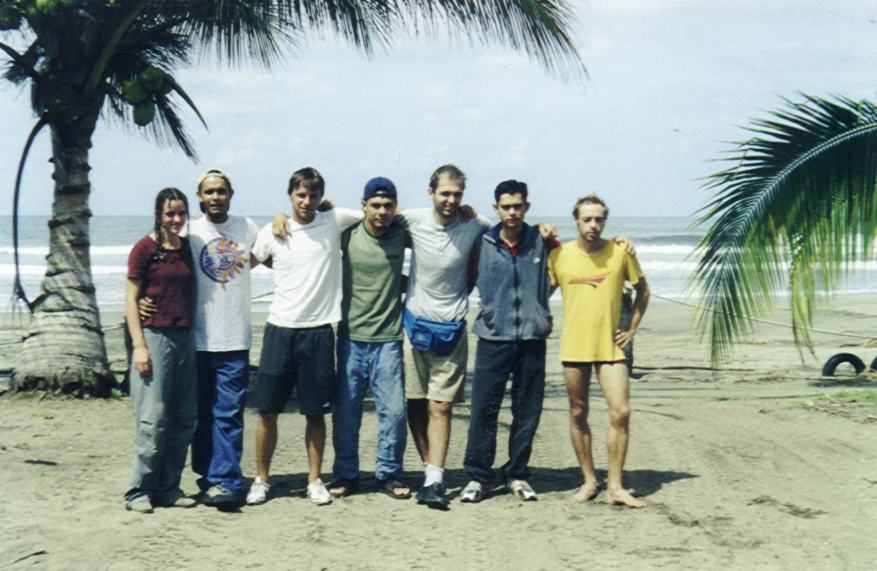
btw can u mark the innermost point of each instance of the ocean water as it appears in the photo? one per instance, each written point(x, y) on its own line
point(664, 248)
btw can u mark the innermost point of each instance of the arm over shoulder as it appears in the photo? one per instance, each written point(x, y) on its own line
point(345, 218)
point(483, 222)
point(411, 216)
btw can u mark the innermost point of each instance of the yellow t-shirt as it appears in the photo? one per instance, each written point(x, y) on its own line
point(592, 285)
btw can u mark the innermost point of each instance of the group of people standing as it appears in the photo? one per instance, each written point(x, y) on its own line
point(188, 312)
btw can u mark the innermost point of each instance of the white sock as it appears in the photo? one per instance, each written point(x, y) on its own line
point(434, 475)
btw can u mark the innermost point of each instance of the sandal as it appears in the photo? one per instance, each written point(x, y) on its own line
point(522, 490)
point(391, 486)
point(343, 487)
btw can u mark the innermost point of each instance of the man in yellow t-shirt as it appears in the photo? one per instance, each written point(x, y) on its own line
point(591, 273)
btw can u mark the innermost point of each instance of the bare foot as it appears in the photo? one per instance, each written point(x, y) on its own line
point(623, 497)
point(588, 491)
point(342, 488)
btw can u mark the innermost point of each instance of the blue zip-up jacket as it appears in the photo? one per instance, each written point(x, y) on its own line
point(513, 289)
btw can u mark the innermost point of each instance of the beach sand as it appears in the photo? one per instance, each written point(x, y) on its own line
point(763, 464)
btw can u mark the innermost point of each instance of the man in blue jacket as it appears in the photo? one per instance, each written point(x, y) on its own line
point(511, 329)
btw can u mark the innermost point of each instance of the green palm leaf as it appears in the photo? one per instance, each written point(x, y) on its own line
point(794, 212)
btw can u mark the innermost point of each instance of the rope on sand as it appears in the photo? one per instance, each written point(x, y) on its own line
point(765, 321)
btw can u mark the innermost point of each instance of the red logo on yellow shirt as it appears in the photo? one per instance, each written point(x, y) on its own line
point(592, 281)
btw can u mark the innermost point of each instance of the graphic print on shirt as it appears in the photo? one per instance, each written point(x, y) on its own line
point(593, 281)
point(222, 260)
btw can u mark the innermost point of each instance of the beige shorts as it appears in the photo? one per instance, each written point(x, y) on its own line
point(436, 377)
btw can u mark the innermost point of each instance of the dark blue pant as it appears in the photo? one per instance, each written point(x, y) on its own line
point(495, 361)
point(219, 440)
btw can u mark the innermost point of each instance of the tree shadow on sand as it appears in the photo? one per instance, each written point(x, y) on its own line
point(544, 480)
point(843, 382)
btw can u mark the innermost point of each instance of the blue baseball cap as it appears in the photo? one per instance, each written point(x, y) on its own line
point(379, 187)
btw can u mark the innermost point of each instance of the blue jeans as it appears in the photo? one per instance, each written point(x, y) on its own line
point(165, 413)
point(362, 365)
point(222, 391)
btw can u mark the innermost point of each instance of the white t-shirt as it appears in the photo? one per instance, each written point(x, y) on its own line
point(307, 269)
point(437, 284)
point(221, 253)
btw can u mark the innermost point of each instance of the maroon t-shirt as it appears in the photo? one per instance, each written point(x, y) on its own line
point(167, 278)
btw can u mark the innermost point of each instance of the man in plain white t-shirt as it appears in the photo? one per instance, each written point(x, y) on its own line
point(298, 347)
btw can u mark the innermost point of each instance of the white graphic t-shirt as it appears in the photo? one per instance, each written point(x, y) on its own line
point(307, 269)
point(221, 253)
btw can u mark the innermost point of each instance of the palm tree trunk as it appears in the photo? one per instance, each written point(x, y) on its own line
point(64, 348)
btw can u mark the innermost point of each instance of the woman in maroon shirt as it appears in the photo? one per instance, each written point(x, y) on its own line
point(163, 389)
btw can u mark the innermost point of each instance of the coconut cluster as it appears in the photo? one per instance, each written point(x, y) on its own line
point(141, 91)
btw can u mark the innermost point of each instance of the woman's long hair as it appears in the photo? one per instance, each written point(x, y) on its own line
point(164, 195)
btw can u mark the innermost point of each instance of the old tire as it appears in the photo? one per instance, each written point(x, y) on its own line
point(839, 359)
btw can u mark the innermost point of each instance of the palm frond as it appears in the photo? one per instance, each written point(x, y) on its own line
point(167, 128)
point(127, 18)
point(18, 292)
point(795, 210)
point(361, 22)
point(237, 29)
point(185, 97)
point(541, 28)
point(162, 47)
point(22, 66)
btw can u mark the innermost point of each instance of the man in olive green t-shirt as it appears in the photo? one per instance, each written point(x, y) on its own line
point(370, 344)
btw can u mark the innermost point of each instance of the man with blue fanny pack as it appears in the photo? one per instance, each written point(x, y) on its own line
point(436, 336)
point(435, 312)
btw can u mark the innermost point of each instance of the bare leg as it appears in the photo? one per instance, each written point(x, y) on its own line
point(615, 383)
point(439, 431)
point(578, 382)
point(418, 421)
point(315, 441)
point(266, 441)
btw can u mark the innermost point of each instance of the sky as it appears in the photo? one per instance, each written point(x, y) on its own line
point(670, 85)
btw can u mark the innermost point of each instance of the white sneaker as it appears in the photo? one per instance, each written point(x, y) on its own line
point(318, 494)
point(258, 493)
point(522, 490)
point(472, 493)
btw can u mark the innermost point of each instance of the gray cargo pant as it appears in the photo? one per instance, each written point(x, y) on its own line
point(165, 406)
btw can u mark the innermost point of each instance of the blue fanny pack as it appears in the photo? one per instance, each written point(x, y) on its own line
point(440, 337)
